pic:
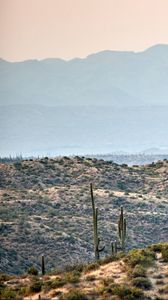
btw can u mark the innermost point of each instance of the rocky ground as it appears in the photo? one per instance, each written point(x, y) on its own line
point(45, 208)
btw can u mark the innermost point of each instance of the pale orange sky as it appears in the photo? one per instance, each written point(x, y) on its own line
point(75, 28)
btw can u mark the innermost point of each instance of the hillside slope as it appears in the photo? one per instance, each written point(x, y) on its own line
point(46, 207)
point(140, 274)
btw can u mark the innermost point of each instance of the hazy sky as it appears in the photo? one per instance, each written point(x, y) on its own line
point(75, 28)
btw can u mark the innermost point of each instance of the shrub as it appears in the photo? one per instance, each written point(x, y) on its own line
point(141, 282)
point(92, 266)
point(57, 282)
point(72, 277)
point(90, 277)
point(74, 294)
point(18, 165)
point(4, 277)
point(164, 290)
point(7, 294)
point(121, 185)
point(126, 292)
point(78, 268)
point(156, 247)
point(32, 271)
point(138, 271)
point(140, 257)
point(165, 253)
point(107, 281)
point(36, 286)
point(163, 248)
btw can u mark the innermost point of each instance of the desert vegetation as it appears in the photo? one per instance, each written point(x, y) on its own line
point(138, 274)
point(46, 207)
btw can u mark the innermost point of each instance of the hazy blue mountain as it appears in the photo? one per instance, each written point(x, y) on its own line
point(39, 130)
point(110, 78)
point(110, 101)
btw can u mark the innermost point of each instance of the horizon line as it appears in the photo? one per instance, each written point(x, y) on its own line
point(85, 57)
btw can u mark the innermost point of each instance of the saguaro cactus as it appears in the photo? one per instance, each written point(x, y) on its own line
point(42, 265)
point(97, 250)
point(114, 248)
point(122, 229)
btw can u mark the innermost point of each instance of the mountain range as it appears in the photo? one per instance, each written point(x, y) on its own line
point(106, 102)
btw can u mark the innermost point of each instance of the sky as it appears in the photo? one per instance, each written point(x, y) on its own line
point(37, 29)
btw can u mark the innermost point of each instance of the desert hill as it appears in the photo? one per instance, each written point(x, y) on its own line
point(46, 209)
point(140, 274)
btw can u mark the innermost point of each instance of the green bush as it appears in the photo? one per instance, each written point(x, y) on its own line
point(141, 282)
point(74, 294)
point(124, 292)
point(156, 247)
point(4, 277)
point(78, 268)
point(72, 277)
point(32, 271)
point(138, 271)
point(127, 293)
point(18, 165)
point(36, 286)
point(92, 266)
point(164, 290)
point(140, 257)
point(57, 282)
point(165, 253)
point(90, 277)
point(7, 294)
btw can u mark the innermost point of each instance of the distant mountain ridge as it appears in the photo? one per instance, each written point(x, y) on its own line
point(108, 102)
point(114, 78)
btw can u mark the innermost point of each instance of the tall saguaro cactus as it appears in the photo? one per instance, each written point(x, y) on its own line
point(42, 265)
point(122, 229)
point(97, 250)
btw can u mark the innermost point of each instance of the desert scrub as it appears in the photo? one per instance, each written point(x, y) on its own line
point(72, 277)
point(90, 278)
point(141, 282)
point(7, 294)
point(124, 292)
point(157, 247)
point(164, 252)
point(79, 268)
point(163, 248)
point(164, 290)
point(96, 265)
point(138, 271)
point(32, 271)
point(4, 277)
point(55, 283)
point(74, 294)
point(144, 257)
point(109, 259)
point(36, 286)
point(91, 267)
point(107, 281)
